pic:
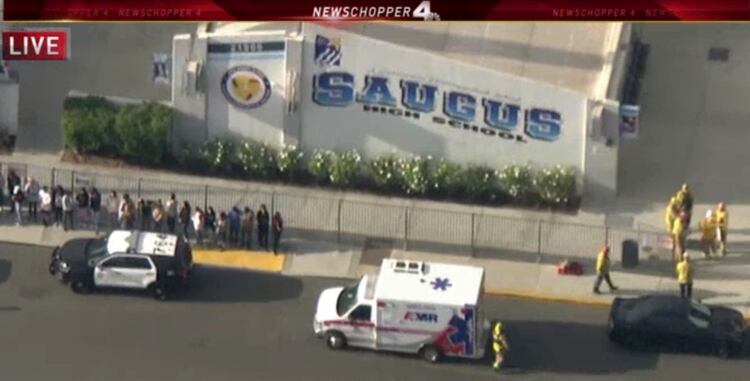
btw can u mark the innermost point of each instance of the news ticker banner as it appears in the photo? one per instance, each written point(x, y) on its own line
point(354, 10)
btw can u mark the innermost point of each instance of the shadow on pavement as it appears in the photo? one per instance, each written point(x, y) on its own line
point(5, 270)
point(215, 284)
point(563, 347)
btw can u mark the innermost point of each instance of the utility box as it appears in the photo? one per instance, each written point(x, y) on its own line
point(629, 253)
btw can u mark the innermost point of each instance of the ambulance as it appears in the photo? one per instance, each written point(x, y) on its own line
point(430, 309)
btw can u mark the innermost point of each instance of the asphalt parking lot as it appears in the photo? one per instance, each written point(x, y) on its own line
point(242, 325)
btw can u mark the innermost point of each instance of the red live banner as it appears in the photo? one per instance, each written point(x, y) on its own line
point(35, 45)
point(353, 10)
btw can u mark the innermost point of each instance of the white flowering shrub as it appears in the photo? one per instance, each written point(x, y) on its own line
point(445, 178)
point(288, 160)
point(257, 159)
point(346, 166)
point(320, 165)
point(414, 172)
point(385, 172)
point(556, 186)
point(479, 183)
point(517, 180)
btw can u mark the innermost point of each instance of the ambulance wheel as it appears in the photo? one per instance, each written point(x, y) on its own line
point(335, 340)
point(80, 287)
point(430, 354)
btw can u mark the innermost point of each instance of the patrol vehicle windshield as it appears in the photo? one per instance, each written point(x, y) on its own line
point(96, 248)
point(347, 299)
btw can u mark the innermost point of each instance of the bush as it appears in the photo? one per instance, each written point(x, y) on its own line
point(445, 179)
point(192, 157)
point(518, 181)
point(257, 160)
point(142, 130)
point(220, 155)
point(556, 186)
point(345, 168)
point(88, 125)
point(385, 172)
point(414, 171)
point(479, 183)
point(320, 165)
point(288, 160)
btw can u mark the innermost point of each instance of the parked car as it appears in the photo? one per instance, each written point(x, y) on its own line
point(155, 262)
point(675, 323)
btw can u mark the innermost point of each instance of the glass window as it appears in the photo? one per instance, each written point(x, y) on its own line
point(347, 299)
point(96, 248)
point(363, 312)
point(114, 262)
point(699, 315)
point(137, 263)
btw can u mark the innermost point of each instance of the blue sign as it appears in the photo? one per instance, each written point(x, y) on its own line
point(460, 109)
point(327, 51)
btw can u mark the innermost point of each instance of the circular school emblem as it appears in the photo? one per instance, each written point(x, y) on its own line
point(246, 87)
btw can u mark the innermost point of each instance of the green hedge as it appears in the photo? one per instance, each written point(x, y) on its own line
point(137, 132)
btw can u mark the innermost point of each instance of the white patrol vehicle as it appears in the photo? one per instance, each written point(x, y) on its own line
point(126, 259)
point(430, 309)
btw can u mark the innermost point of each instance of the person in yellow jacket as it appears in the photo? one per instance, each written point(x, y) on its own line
point(708, 230)
point(499, 345)
point(685, 276)
point(722, 223)
point(685, 201)
point(602, 270)
point(671, 213)
point(678, 235)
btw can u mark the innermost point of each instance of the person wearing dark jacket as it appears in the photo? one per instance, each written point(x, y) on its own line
point(95, 200)
point(263, 220)
point(235, 218)
point(82, 202)
point(185, 218)
point(277, 225)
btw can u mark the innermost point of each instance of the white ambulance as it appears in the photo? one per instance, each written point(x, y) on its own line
point(430, 309)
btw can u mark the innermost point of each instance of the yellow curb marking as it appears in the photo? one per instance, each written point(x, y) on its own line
point(243, 259)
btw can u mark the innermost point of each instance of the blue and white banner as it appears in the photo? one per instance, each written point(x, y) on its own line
point(629, 121)
point(327, 51)
point(161, 69)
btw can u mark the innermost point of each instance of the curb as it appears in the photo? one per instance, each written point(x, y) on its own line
point(549, 297)
point(241, 260)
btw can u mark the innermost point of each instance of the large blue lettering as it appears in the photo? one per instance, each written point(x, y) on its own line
point(376, 91)
point(418, 97)
point(333, 89)
point(543, 124)
point(500, 115)
point(459, 106)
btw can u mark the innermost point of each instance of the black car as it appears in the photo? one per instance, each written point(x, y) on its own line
point(675, 323)
point(135, 260)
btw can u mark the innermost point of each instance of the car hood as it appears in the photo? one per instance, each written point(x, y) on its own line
point(73, 252)
point(727, 319)
point(326, 307)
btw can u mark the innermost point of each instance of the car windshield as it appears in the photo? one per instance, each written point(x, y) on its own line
point(699, 315)
point(96, 248)
point(347, 299)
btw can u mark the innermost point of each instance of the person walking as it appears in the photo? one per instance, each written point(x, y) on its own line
point(185, 216)
point(602, 270)
point(95, 201)
point(235, 218)
point(82, 201)
point(157, 214)
point(277, 226)
point(113, 209)
point(45, 198)
point(68, 207)
point(246, 233)
point(499, 345)
point(722, 224)
point(31, 189)
point(171, 210)
point(263, 220)
point(211, 224)
point(18, 198)
point(222, 228)
point(57, 204)
point(685, 276)
point(678, 235)
point(707, 226)
point(199, 220)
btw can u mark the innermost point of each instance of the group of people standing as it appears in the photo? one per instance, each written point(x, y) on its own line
point(713, 226)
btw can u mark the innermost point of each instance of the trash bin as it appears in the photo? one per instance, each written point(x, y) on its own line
point(629, 253)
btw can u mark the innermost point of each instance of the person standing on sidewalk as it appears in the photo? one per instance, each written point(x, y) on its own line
point(199, 221)
point(722, 223)
point(32, 196)
point(82, 200)
point(144, 209)
point(222, 228)
point(158, 216)
point(707, 227)
point(127, 213)
point(68, 207)
point(685, 276)
point(263, 220)
point(171, 213)
point(277, 226)
point(46, 205)
point(671, 213)
point(57, 204)
point(602, 270)
point(95, 200)
point(113, 209)
point(13, 180)
point(18, 198)
point(246, 236)
point(185, 217)
point(2, 193)
point(679, 231)
point(211, 224)
point(235, 218)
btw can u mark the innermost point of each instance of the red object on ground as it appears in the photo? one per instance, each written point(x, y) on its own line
point(569, 268)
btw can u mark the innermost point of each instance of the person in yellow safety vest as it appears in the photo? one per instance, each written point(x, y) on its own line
point(602, 270)
point(671, 213)
point(708, 229)
point(499, 345)
point(685, 202)
point(685, 276)
point(678, 235)
point(722, 223)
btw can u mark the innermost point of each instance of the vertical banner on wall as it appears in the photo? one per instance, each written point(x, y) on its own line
point(629, 121)
point(161, 66)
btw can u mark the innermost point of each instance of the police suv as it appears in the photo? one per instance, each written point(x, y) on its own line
point(126, 259)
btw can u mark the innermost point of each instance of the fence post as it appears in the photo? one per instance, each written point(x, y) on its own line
point(406, 228)
point(472, 235)
point(205, 197)
point(53, 180)
point(72, 181)
point(539, 238)
point(606, 235)
point(139, 187)
point(273, 202)
point(338, 223)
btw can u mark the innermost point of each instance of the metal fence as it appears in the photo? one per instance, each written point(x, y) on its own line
point(466, 233)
